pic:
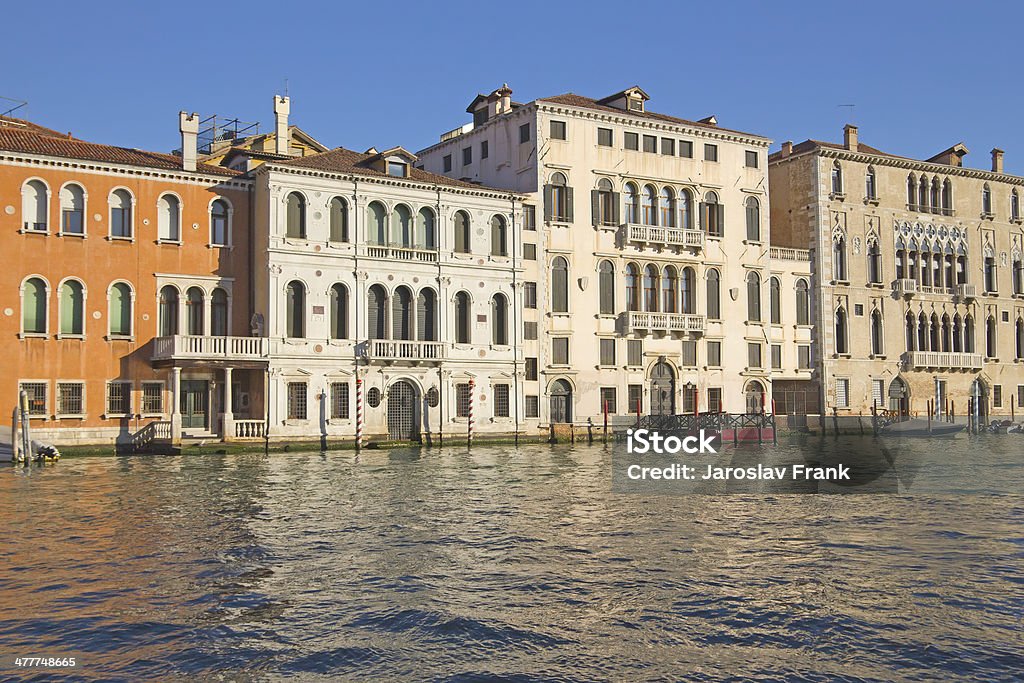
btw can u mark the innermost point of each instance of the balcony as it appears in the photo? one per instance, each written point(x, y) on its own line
point(967, 291)
point(196, 347)
point(653, 235)
point(415, 352)
point(906, 287)
point(639, 321)
point(943, 360)
point(401, 253)
point(788, 254)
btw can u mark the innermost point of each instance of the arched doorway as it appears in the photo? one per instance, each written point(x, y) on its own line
point(979, 392)
point(561, 402)
point(403, 411)
point(663, 389)
point(899, 397)
point(754, 393)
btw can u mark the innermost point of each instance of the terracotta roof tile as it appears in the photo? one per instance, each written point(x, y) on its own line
point(24, 124)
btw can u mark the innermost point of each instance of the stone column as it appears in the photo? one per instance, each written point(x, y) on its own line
point(228, 416)
point(176, 406)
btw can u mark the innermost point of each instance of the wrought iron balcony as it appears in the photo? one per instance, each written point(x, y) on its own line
point(391, 350)
point(198, 347)
point(641, 321)
point(906, 286)
point(663, 236)
point(947, 360)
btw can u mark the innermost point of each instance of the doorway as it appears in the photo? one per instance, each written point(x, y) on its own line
point(195, 403)
point(403, 410)
point(663, 389)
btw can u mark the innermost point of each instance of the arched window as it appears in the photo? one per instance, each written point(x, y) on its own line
point(168, 310)
point(911, 192)
point(1019, 339)
point(874, 262)
point(376, 313)
point(339, 311)
point(1018, 273)
point(986, 200)
point(34, 206)
point(401, 226)
point(961, 265)
point(72, 209)
point(426, 315)
point(990, 271)
point(605, 203)
point(714, 216)
point(377, 226)
point(911, 329)
point(463, 331)
point(990, 337)
point(670, 290)
point(753, 296)
point(121, 214)
point(937, 267)
point(871, 184)
point(650, 217)
point(936, 198)
point(839, 258)
point(462, 237)
point(947, 197)
point(559, 206)
point(753, 208)
point(901, 259)
point(120, 314)
point(401, 314)
point(194, 303)
point(220, 233)
point(339, 219)
point(632, 287)
point(499, 320)
point(632, 204)
point(837, 178)
point(922, 194)
point(754, 397)
point(651, 278)
point(689, 287)
point(219, 313)
point(685, 205)
point(775, 300)
point(168, 218)
point(1014, 205)
point(72, 308)
point(426, 229)
point(499, 236)
point(926, 264)
point(877, 347)
point(841, 336)
point(295, 310)
point(667, 207)
point(968, 333)
point(33, 306)
point(714, 294)
point(934, 330)
point(946, 334)
point(560, 285)
point(958, 334)
point(922, 332)
point(296, 216)
point(606, 287)
point(803, 303)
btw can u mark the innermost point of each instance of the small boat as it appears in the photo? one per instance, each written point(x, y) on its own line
point(918, 427)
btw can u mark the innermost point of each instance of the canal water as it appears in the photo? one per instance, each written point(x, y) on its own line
point(507, 564)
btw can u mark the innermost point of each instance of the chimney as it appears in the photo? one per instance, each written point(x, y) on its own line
point(189, 127)
point(282, 143)
point(850, 137)
point(787, 148)
point(997, 160)
point(505, 93)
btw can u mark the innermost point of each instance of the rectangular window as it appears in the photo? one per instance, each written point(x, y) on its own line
point(529, 217)
point(689, 399)
point(558, 130)
point(668, 147)
point(484, 151)
point(531, 369)
point(339, 400)
point(608, 400)
point(36, 397)
point(686, 149)
point(605, 137)
point(710, 152)
point(754, 355)
point(119, 398)
point(529, 251)
point(1020, 395)
point(750, 159)
point(607, 351)
point(524, 133)
point(690, 353)
point(70, 398)
point(636, 398)
point(560, 351)
point(297, 400)
point(877, 392)
point(776, 356)
point(715, 399)
point(650, 144)
point(631, 141)
point(462, 400)
point(858, 310)
point(152, 398)
point(842, 393)
point(467, 156)
point(530, 294)
point(997, 395)
point(529, 330)
point(714, 354)
point(447, 161)
point(501, 401)
point(634, 352)
point(803, 356)
point(532, 406)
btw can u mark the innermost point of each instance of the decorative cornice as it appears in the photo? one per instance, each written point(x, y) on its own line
point(404, 183)
point(237, 182)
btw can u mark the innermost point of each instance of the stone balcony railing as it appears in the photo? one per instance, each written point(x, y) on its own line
point(200, 347)
point(788, 254)
point(641, 321)
point(394, 253)
point(967, 291)
point(663, 236)
point(946, 360)
point(391, 350)
point(905, 287)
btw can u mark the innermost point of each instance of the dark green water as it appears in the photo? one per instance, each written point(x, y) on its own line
point(506, 564)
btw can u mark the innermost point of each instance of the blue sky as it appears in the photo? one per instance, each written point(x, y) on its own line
point(923, 75)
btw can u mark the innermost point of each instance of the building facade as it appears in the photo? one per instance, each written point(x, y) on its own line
point(917, 275)
point(647, 290)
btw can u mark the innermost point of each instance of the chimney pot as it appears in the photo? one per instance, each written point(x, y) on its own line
point(850, 137)
point(997, 160)
point(188, 125)
point(282, 107)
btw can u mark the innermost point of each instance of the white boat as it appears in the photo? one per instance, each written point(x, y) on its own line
point(918, 427)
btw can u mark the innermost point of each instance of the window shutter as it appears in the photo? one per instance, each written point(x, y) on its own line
point(595, 207)
point(721, 218)
point(373, 321)
point(422, 333)
point(702, 214)
point(548, 202)
point(615, 207)
point(568, 205)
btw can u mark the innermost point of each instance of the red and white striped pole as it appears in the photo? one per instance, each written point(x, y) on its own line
point(469, 424)
point(359, 413)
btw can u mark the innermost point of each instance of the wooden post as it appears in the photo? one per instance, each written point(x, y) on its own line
point(590, 430)
point(638, 412)
point(15, 443)
point(26, 437)
point(359, 414)
point(929, 416)
point(775, 425)
point(874, 417)
point(952, 411)
point(469, 422)
point(606, 421)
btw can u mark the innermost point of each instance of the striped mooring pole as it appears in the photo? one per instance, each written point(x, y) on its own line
point(469, 423)
point(359, 414)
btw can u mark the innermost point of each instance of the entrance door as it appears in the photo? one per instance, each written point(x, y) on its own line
point(663, 390)
point(194, 406)
point(561, 402)
point(980, 390)
point(899, 398)
point(754, 394)
point(402, 411)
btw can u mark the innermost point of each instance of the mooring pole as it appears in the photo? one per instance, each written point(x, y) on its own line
point(606, 421)
point(929, 417)
point(638, 413)
point(775, 425)
point(469, 422)
point(26, 437)
point(359, 414)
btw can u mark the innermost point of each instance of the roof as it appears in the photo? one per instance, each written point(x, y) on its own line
point(30, 142)
point(341, 160)
point(574, 100)
point(23, 124)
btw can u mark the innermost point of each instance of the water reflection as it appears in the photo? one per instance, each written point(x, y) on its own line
point(506, 563)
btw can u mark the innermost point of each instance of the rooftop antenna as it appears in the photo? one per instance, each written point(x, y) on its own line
point(18, 104)
point(848, 106)
point(286, 87)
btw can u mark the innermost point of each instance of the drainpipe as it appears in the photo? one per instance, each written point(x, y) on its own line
point(517, 345)
point(356, 302)
point(440, 307)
